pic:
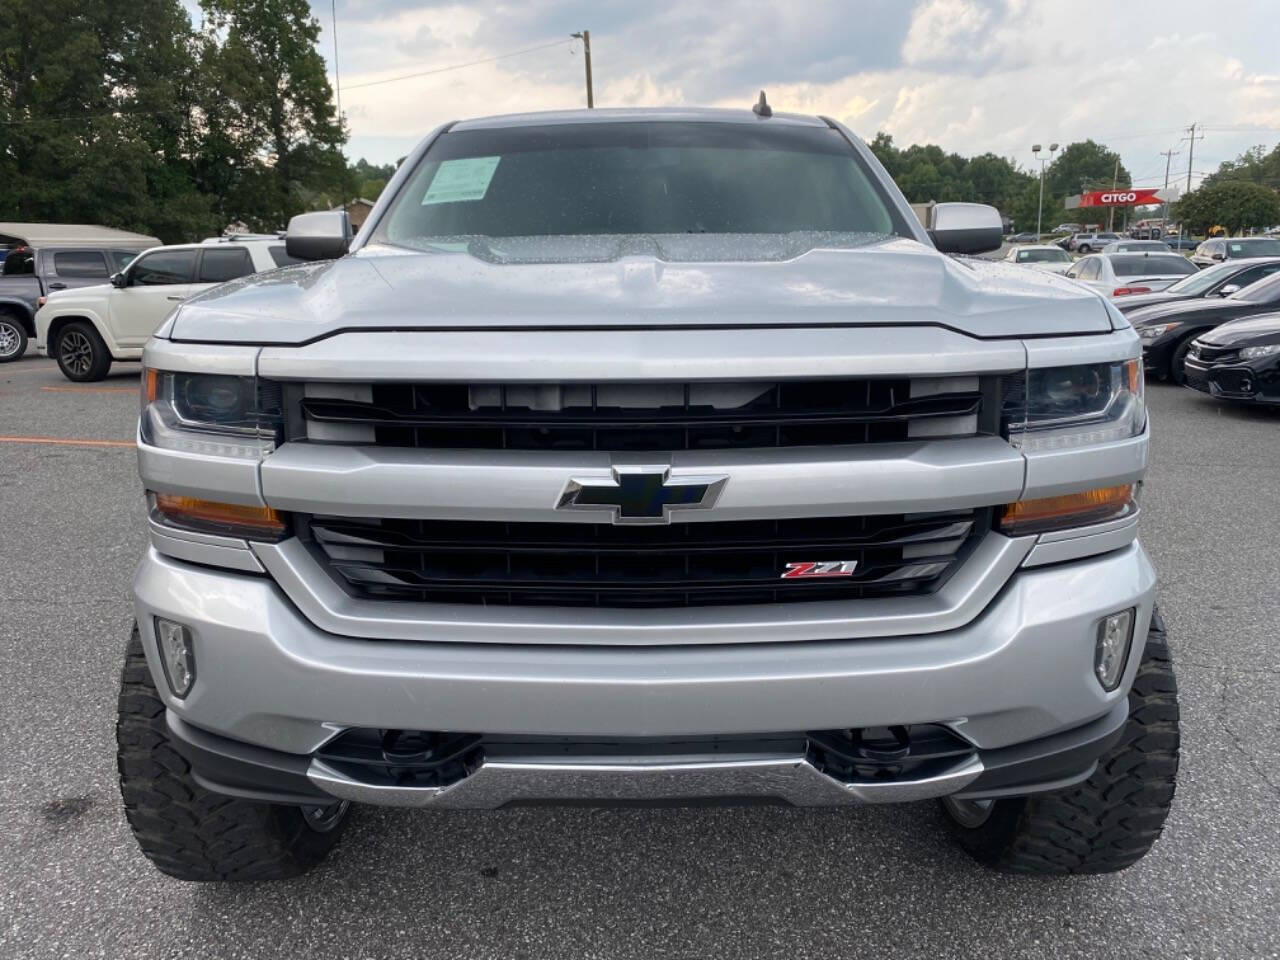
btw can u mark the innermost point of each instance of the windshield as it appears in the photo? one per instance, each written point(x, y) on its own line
point(655, 179)
point(1043, 256)
point(1254, 247)
point(1138, 265)
point(1202, 280)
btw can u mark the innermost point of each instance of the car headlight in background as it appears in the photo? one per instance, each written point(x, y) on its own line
point(1058, 408)
point(1253, 353)
point(211, 414)
point(1156, 330)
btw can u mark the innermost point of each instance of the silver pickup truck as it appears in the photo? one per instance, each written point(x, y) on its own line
point(645, 456)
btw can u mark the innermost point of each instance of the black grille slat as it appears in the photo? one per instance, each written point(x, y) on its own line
point(655, 416)
point(602, 565)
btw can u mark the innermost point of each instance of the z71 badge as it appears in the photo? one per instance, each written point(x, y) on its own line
point(820, 568)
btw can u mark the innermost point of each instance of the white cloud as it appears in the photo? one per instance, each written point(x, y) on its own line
point(971, 75)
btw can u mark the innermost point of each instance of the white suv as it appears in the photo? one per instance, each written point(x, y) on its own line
point(87, 328)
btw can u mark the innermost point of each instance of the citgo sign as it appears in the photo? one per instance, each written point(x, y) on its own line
point(1118, 198)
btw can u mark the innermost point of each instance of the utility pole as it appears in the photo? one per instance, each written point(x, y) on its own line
point(1115, 182)
point(585, 37)
point(1192, 150)
point(1168, 160)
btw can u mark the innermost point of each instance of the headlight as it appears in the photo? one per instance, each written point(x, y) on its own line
point(1056, 408)
point(1156, 330)
point(1266, 350)
point(211, 414)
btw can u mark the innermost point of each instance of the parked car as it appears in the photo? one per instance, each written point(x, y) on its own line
point(1085, 243)
point(1120, 274)
point(85, 330)
point(1179, 244)
point(45, 258)
point(421, 517)
point(1069, 228)
point(1043, 256)
point(1025, 237)
point(1167, 329)
point(1239, 360)
point(1137, 246)
point(1234, 248)
point(1220, 280)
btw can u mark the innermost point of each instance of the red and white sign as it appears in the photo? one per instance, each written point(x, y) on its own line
point(1120, 197)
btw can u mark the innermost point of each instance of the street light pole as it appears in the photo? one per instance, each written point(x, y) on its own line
point(1035, 152)
point(1168, 159)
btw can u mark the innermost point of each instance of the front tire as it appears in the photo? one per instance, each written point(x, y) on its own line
point(192, 833)
point(82, 356)
point(1083, 249)
point(1112, 819)
point(13, 338)
point(1178, 359)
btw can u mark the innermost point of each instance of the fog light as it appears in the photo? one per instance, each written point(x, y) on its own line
point(1114, 636)
point(176, 656)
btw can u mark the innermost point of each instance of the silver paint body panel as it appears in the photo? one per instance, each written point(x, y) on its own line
point(287, 658)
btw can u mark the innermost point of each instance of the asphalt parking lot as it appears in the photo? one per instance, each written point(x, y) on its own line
point(742, 882)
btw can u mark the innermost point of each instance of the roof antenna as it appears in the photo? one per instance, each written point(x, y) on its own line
point(762, 108)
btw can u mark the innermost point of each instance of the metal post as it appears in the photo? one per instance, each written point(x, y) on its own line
point(585, 37)
point(1040, 208)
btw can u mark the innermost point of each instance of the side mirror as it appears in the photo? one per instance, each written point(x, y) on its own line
point(119, 279)
point(1218, 256)
point(325, 235)
point(1228, 289)
point(965, 228)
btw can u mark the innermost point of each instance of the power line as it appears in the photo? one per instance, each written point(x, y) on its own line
point(455, 66)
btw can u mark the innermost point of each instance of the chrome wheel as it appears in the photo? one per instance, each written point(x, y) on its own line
point(10, 338)
point(324, 819)
point(969, 813)
point(76, 352)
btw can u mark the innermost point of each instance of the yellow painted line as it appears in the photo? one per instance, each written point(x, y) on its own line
point(91, 389)
point(66, 442)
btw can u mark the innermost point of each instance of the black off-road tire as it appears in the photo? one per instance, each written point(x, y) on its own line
point(13, 337)
point(1110, 821)
point(81, 354)
point(192, 833)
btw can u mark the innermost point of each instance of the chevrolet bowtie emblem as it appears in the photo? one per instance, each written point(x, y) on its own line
point(641, 494)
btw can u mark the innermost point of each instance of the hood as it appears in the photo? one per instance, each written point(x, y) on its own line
point(891, 281)
point(1246, 333)
point(1058, 268)
point(1205, 310)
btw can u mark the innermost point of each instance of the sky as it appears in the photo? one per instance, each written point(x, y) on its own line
point(970, 75)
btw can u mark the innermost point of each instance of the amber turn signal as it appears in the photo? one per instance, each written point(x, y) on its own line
point(150, 384)
point(227, 519)
point(1069, 510)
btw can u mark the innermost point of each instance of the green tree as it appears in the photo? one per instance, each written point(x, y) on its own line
point(96, 108)
point(1255, 165)
point(272, 138)
point(1235, 204)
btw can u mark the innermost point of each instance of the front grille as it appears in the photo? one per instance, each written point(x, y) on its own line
point(698, 415)
point(1196, 377)
point(1212, 354)
point(675, 565)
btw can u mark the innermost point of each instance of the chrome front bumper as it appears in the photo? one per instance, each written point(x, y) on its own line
point(1021, 670)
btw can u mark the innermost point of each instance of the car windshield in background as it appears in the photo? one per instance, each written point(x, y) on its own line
point(1043, 256)
point(1143, 265)
point(1202, 280)
point(1254, 247)
point(789, 187)
point(1266, 290)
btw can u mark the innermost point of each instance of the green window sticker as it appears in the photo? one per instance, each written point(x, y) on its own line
point(464, 179)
